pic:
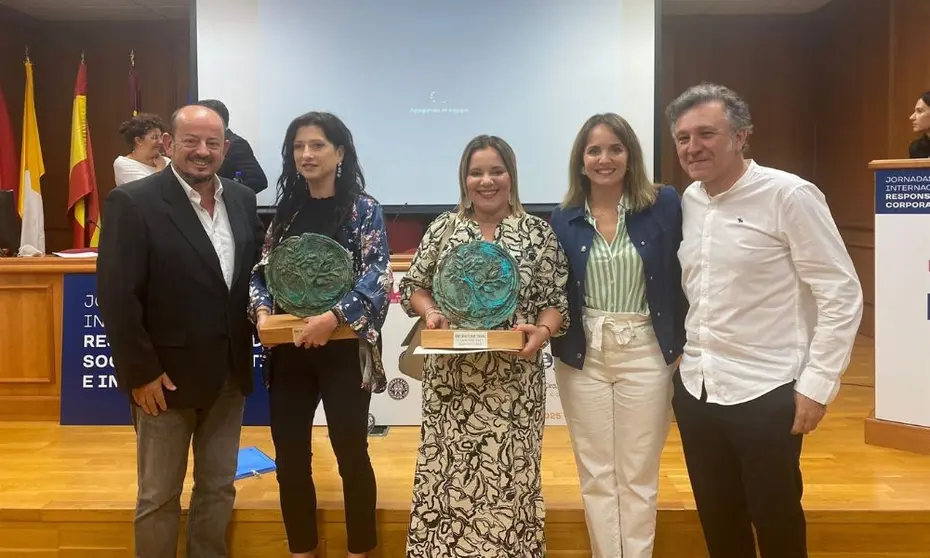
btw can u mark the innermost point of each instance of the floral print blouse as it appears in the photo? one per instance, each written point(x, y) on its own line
point(543, 266)
point(365, 307)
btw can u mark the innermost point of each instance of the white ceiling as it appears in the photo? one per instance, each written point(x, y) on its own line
point(127, 10)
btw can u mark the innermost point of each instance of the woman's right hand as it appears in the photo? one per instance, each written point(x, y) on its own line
point(261, 316)
point(436, 320)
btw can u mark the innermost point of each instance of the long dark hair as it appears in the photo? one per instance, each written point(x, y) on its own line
point(292, 187)
point(920, 147)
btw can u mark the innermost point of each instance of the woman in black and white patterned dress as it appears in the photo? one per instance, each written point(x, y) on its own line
point(477, 488)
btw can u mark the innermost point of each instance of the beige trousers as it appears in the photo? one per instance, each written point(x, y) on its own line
point(618, 412)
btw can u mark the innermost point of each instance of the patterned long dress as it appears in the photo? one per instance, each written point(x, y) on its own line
point(477, 490)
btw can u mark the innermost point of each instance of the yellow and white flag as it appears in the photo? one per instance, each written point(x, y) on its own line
point(31, 170)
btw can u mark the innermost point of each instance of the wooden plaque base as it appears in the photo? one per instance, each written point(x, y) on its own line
point(283, 328)
point(471, 339)
point(897, 435)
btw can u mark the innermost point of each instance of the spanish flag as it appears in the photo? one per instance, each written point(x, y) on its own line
point(83, 205)
point(31, 170)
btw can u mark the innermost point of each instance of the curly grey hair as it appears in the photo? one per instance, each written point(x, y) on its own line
point(736, 109)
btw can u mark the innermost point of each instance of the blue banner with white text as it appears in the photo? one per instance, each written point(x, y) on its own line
point(89, 394)
point(902, 191)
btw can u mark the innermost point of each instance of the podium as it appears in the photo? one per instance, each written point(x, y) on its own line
point(901, 418)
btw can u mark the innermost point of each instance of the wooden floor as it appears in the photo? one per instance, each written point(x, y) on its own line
point(69, 491)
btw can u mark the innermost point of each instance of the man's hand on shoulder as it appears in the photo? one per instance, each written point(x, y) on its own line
point(151, 397)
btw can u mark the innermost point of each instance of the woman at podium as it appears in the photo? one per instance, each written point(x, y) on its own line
point(477, 487)
point(321, 191)
point(920, 147)
point(143, 134)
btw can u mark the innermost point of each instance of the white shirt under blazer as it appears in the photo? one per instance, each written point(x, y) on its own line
point(773, 293)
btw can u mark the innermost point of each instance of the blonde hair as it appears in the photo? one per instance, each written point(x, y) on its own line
point(639, 192)
point(510, 163)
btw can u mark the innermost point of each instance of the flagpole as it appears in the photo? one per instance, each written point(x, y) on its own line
point(135, 97)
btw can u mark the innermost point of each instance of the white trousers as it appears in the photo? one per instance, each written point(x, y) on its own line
point(618, 412)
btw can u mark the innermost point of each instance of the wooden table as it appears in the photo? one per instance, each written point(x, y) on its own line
point(31, 291)
point(31, 301)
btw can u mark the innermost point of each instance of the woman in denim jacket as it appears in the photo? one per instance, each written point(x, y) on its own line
point(614, 365)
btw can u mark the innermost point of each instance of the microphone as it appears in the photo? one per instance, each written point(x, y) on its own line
point(398, 212)
point(394, 221)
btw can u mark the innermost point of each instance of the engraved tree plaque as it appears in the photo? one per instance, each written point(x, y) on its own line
point(476, 286)
point(307, 275)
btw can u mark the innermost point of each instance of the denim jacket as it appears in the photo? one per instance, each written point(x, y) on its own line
point(656, 233)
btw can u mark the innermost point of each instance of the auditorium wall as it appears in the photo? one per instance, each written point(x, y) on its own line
point(162, 61)
point(874, 64)
point(766, 59)
point(829, 91)
point(16, 31)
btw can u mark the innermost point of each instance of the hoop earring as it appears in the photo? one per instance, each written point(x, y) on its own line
point(338, 170)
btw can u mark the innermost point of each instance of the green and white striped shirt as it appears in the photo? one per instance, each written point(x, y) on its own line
point(615, 280)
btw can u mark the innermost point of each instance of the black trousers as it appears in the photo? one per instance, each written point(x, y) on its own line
point(300, 378)
point(744, 466)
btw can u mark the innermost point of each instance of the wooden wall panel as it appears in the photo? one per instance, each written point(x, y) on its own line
point(860, 241)
point(852, 92)
point(162, 61)
point(30, 345)
point(16, 31)
point(910, 69)
point(27, 318)
point(872, 65)
point(765, 59)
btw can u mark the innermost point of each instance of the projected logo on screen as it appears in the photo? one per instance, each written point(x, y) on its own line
point(437, 105)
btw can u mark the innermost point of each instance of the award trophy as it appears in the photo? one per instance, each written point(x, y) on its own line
point(476, 286)
point(307, 275)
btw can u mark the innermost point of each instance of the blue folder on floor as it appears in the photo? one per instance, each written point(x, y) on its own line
point(252, 463)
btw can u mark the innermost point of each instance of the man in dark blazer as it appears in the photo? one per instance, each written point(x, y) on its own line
point(175, 255)
point(239, 157)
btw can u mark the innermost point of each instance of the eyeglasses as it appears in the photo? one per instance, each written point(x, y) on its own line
point(194, 143)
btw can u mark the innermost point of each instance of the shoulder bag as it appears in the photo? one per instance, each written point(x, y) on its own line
point(411, 365)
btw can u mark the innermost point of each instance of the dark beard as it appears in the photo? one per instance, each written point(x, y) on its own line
point(194, 181)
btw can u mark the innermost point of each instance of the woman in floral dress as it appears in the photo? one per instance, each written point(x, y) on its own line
point(477, 486)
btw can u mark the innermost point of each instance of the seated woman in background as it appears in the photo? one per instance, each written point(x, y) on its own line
point(477, 483)
point(143, 134)
point(920, 148)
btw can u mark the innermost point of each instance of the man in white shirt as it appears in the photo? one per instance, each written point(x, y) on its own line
point(775, 305)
